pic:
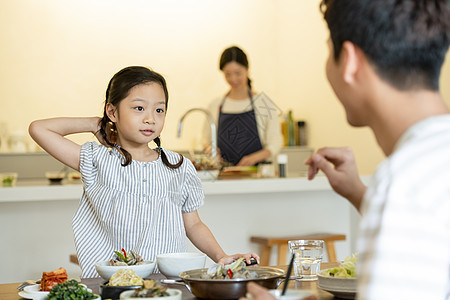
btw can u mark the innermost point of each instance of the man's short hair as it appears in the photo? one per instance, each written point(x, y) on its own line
point(405, 40)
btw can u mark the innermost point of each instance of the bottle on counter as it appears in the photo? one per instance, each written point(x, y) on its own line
point(291, 128)
point(284, 129)
point(301, 133)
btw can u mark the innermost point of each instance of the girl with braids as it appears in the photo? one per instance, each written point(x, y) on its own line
point(248, 124)
point(134, 197)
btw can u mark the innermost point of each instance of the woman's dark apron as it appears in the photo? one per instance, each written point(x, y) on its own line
point(237, 134)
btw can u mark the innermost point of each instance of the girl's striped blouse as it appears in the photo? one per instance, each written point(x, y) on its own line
point(138, 207)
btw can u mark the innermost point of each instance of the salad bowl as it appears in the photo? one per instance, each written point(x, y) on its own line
point(340, 281)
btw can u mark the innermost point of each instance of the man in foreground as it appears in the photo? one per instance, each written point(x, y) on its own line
point(384, 66)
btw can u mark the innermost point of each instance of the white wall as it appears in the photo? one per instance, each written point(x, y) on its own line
point(57, 57)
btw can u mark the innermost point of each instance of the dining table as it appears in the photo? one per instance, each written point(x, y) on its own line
point(8, 291)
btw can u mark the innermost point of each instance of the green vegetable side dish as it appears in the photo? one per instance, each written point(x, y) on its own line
point(347, 269)
point(70, 289)
point(7, 181)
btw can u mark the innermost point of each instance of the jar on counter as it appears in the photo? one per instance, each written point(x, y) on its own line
point(282, 164)
point(301, 133)
point(266, 169)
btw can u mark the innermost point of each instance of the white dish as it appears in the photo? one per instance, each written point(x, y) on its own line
point(344, 288)
point(25, 295)
point(174, 295)
point(207, 175)
point(106, 271)
point(292, 294)
point(33, 292)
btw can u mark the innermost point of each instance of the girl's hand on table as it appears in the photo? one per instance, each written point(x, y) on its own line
point(231, 258)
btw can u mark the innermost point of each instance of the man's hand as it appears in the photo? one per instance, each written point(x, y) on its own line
point(339, 166)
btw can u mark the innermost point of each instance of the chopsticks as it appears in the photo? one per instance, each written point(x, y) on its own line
point(288, 274)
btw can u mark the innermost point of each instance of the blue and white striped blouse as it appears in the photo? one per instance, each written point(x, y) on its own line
point(138, 207)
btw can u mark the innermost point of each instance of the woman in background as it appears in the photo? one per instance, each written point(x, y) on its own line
point(248, 125)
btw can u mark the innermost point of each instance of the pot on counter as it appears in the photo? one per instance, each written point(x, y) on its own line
point(268, 277)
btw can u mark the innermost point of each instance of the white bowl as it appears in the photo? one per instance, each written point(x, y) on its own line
point(172, 264)
point(208, 175)
point(174, 295)
point(106, 271)
point(55, 177)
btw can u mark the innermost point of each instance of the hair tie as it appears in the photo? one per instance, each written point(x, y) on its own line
point(160, 148)
point(117, 146)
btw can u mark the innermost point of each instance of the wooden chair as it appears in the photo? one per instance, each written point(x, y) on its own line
point(74, 259)
point(266, 244)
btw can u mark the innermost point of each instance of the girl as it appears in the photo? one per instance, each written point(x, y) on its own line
point(134, 197)
point(248, 127)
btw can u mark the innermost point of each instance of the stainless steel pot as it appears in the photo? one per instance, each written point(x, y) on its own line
point(268, 277)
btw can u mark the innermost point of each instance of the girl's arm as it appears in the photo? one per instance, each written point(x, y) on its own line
point(50, 135)
point(202, 238)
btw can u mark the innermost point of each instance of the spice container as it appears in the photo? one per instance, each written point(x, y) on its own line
point(282, 162)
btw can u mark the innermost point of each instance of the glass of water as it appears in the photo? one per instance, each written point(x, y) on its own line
point(308, 255)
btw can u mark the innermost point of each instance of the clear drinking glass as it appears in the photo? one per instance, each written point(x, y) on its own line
point(308, 255)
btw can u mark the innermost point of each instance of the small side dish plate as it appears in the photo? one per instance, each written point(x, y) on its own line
point(344, 288)
point(33, 292)
point(174, 294)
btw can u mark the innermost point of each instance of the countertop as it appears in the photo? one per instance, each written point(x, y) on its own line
point(42, 190)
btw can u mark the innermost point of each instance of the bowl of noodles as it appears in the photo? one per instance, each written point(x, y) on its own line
point(122, 280)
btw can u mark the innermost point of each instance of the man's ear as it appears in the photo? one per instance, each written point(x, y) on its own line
point(352, 61)
point(111, 112)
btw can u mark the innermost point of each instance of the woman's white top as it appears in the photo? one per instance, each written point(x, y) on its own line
point(267, 119)
point(138, 207)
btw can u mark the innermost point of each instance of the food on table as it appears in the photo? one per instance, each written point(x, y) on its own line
point(7, 180)
point(205, 163)
point(346, 269)
point(124, 258)
point(125, 277)
point(74, 175)
point(50, 279)
point(151, 289)
point(235, 270)
point(70, 289)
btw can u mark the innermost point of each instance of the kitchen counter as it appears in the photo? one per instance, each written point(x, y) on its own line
point(36, 219)
point(42, 190)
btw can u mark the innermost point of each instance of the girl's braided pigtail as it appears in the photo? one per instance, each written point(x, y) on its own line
point(164, 157)
point(108, 132)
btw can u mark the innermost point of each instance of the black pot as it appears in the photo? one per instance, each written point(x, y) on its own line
point(113, 292)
